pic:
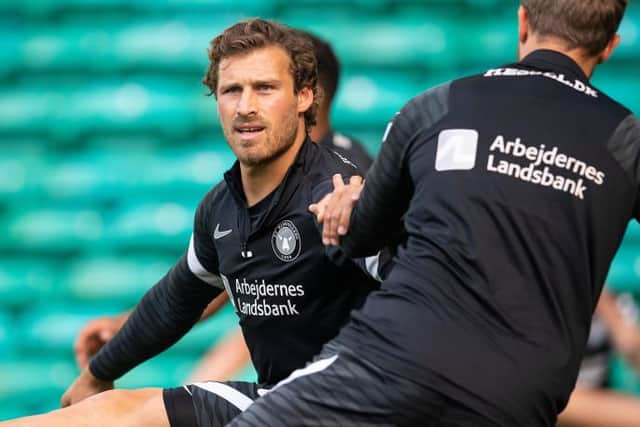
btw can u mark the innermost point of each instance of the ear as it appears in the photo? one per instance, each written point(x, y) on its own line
point(523, 25)
point(305, 99)
point(611, 46)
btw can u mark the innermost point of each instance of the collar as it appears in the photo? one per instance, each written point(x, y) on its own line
point(547, 59)
point(287, 186)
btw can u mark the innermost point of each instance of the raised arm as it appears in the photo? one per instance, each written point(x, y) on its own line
point(366, 216)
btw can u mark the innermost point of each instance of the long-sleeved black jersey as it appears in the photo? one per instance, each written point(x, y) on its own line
point(291, 294)
point(518, 185)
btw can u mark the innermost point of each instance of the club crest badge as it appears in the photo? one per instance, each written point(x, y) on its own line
point(285, 241)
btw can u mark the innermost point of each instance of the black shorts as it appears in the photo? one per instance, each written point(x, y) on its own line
point(208, 404)
point(341, 389)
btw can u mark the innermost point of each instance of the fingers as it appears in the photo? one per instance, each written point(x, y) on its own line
point(319, 208)
point(338, 183)
point(106, 335)
point(338, 211)
point(334, 210)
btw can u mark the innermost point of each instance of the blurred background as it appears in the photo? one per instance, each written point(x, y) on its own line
point(108, 142)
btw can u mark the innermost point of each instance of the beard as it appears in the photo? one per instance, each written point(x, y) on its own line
point(275, 144)
point(282, 145)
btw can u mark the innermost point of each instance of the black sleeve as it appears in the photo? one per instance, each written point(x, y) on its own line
point(624, 146)
point(168, 310)
point(388, 186)
point(165, 313)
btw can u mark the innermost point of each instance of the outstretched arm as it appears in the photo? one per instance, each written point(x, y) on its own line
point(97, 332)
point(165, 313)
point(362, 219)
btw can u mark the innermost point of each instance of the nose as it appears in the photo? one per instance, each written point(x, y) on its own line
point(247, 103)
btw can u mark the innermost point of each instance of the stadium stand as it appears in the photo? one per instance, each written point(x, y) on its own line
point(108, 141)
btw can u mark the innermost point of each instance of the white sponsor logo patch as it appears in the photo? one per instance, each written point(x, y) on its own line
point(457, 149)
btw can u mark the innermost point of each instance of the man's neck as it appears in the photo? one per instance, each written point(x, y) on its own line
point(259, 181)
point(586, 63)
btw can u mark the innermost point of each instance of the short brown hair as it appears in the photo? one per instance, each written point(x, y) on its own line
point(256, 33)
point(586, 24)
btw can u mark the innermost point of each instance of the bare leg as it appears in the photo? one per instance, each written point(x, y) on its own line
point(123, 408)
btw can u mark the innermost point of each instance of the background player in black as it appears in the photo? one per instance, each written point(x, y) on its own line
point(323, 132)
point(253, 237)
point(518, 185)
point(232, 355)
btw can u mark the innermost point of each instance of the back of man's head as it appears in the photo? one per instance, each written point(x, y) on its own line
point(581, 24)
point(328, 65)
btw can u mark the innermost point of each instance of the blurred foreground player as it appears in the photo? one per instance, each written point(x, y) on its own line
point(518, 185)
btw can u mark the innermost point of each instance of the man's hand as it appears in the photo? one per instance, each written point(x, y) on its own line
point(86, 385)
point(94, 336)
point(334, 210)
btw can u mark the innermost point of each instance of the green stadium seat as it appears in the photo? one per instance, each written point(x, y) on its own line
point(488, 41)
point(89, 176)
point(49, 329)
point(623, 87)
point(167, 44)
point(10, 42)
point(387, 42)
point(67, 111)
point(53, 229)
point(24, 280)
point(623, 377)
point(155, 106)
point(110, 174)
point(629, 47)
point(34, 384)
point(17, 164)
point(7, 328)
point(373, 98)
point(191, 170)
point(26, 110)
point(43, 8)
point(121, 280)
point(153, 225)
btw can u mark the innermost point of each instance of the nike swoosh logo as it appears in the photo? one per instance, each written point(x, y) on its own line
point(217, 234)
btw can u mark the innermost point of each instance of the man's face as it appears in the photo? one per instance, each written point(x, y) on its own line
point(258, 109)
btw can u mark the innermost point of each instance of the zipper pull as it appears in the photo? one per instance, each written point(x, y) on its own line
point(245, 252)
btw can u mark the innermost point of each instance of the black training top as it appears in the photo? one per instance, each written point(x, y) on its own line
point(288, 290)
point(348, 147)
point(518, 185)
